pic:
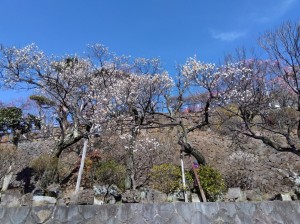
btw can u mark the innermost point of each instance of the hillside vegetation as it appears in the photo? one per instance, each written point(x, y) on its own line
point(125, 122)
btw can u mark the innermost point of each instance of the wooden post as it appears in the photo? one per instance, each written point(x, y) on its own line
point(198, 181)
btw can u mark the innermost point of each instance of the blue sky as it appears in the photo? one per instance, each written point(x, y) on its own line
point(172, 30)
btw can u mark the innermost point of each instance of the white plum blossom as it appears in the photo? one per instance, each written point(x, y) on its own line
point(241, 156)
point(205, 75)
point(241, 83)
point(143, 144)
point(87, 90)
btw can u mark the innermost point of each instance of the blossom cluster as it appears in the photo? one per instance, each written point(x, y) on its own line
point(241, 156)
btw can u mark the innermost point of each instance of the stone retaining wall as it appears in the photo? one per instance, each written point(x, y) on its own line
point(243, 212)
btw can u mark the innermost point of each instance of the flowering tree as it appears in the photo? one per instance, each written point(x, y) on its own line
point(262, 96)
point(245, 86)
point(282, 45)
point(91, 93)
point(147, 152)
point(144, 89)
point(256, 107)
point(57, 79)
point(206, 78)
point(203, 81)
point(199, 83)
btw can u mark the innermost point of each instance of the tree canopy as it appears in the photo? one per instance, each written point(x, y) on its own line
point(246, 96)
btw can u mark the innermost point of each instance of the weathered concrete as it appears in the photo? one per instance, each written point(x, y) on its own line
point(243, 212)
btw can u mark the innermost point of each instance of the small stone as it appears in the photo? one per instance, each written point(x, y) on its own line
point(253, 195)
point(98, 202)
point(100, 190)
point(195, 198)
point(235, 194)
point(43, 200)
point(6, 181)
point(285, 197)
point(111, 200)
point(143, 195)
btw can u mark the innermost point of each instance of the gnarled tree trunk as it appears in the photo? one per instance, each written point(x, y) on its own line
point(188, 149)
point(130, 173)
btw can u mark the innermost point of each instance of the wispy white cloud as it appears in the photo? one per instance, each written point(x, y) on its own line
point(278, 9)
point(228, 36)
point(270, 11)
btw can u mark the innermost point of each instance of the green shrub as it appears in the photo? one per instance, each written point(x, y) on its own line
point(45, 169)
point(110, 172)
point(41, 164)
point(167, 178)
point(212, 182)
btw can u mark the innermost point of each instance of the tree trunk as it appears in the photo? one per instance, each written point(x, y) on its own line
point(130, 173)
point(67, 141)
point(188, 149)
point(51, 175)
point(16, 137)
point(298, 129)
point(130, 181)
point(206, 112)
point(186, 146)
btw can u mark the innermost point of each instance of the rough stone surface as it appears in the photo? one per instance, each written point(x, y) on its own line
point(84, 197)
point(26, 199)
point(107, 193)
point(179, 213)
point(144, 195)
point(131, 196)
point(235, 194)
point(195, 197)
point(285, 197)
point(107, 190)
point(98, 202)
point(53, 190)
point(149, 195)
point(11, 198)
point(43, 200)
point(253, 195)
